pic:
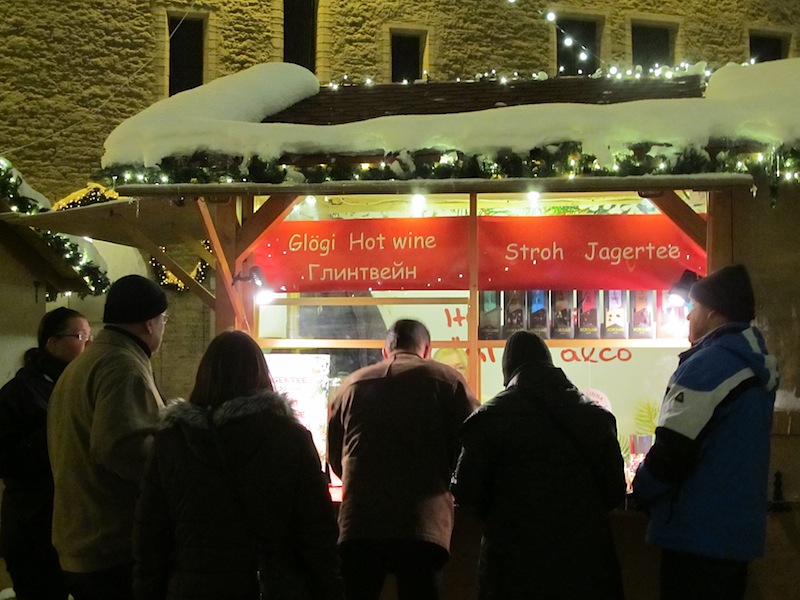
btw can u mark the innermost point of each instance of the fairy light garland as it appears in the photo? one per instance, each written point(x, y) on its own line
point(96, 279)
point(566, 159)
point(167, 279)
point(96, 193)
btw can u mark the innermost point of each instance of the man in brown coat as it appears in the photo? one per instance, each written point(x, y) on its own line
point(393, 439)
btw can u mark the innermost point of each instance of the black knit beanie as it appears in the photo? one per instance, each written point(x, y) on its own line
point(728, 291)
point(523, 347)
point(133, 299)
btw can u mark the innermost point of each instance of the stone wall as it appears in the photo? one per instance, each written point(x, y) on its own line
point(72, 71)
point(69, 80)
point(473, 36)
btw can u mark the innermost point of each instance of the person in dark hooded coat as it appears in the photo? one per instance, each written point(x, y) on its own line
point(208, 508)
point(541, 467)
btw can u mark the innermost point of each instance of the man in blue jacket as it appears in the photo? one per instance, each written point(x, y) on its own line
point(705, 479)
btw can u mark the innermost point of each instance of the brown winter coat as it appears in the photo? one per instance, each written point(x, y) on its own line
point(393, 438)
point(191, 540)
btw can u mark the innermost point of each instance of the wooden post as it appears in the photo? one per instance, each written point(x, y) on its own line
point(720, 226)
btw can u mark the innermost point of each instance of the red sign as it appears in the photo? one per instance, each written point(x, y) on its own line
point(638, 252)
point(366, 254)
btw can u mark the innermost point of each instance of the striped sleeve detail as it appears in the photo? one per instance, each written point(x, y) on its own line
point(770, 362)
point(687, 411)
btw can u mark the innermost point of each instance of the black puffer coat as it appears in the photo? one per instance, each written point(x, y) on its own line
point(541, 467)
point(191, 541)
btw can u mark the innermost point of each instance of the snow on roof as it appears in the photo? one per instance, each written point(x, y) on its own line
point(755, 103)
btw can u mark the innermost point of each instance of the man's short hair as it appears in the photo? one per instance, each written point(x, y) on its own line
point(407, 334)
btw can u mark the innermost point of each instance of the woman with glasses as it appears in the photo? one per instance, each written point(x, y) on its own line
point(27, 509)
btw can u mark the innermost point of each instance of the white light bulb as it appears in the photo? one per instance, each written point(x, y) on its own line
point(265, 296)
point(568, 41)
point(551, 16)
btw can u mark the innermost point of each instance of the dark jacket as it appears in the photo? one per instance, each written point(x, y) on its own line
point(28, 497)
point(191, 540)
point(705, 478)
point(541, 466)
point(393, 438)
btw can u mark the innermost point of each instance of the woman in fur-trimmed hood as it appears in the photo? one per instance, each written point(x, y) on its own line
point(214, 493)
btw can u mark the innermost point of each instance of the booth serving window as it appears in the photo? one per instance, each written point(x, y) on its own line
point(589, 273)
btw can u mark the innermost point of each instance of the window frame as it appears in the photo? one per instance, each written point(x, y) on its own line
point(672, 34)
point(595, 54)
point(783, 37)
point(425, 34)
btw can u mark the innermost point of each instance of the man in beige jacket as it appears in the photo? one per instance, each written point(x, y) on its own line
point(393, 438)
point(102, 416)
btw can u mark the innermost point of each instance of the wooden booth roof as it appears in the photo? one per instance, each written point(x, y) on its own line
point(348, 104)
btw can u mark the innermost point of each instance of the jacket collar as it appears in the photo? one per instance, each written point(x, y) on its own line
point(193, 415)
point(135, 338)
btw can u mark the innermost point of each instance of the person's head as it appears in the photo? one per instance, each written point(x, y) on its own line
point(452, 357)
point(408, 335)
point(523, 348)
point(233, 366)
point(63, 334)
point(137, 305)
point(725, 296)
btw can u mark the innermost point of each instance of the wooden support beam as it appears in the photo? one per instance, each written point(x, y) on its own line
point(256, 228)
point(692, 224)
point(720, 227)
point(224, 265)
point(473, 308)
point(145, 243)
point(198, 248)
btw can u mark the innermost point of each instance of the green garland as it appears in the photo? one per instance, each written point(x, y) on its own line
point(167, 279)
point(9, 190)
point(565, 159)
point(93, 275)
point(95, 194)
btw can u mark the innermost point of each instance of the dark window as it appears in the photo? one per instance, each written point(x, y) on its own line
point(767, 47)
point(407, 56)
point(651, 46)
point(577, 47)
point(185, 54)
point(300, 32)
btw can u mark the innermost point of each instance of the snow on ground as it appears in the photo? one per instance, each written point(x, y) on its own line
point(751, 102)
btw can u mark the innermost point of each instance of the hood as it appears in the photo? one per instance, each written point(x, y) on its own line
point(194, 416)
point(747, 344)
point(532, 384)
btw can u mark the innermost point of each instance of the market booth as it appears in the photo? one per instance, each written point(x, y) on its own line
point(491, 247)
point(317, 263)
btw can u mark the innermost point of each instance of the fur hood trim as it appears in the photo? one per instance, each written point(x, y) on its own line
point(271, 403)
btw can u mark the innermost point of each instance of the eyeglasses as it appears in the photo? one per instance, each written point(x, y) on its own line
point(84, 337)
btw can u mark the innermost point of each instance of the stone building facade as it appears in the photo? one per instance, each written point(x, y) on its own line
point(72, 71)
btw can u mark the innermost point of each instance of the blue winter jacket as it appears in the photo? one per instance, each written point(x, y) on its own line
point(706, 476)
